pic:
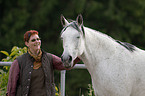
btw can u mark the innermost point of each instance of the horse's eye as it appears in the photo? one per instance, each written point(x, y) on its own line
point(78, 37)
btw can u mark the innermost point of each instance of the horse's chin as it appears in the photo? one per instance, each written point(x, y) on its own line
point(68, 65)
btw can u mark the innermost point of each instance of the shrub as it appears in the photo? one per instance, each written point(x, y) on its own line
point(91, 90)
point(4, 74)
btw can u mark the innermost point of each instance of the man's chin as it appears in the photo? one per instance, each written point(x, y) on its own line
point(37, 48)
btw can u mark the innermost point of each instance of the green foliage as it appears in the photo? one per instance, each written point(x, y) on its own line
point(112, 17)
point(3, 82)
point(15, 52)
point(91, 90)
point(57, 92)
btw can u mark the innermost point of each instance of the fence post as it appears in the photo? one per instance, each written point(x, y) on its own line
point(63, 72)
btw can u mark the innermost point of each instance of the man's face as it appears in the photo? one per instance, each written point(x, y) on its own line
point(34, 43)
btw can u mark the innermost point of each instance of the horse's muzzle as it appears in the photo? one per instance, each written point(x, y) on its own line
point(66, 60)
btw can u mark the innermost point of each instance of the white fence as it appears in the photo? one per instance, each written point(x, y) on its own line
point(62, 82)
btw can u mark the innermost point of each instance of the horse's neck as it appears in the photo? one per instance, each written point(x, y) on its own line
point(98, 46)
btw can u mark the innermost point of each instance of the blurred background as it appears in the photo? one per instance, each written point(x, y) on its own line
point(123, 20)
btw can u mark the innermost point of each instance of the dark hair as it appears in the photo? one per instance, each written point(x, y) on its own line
point(28, 34)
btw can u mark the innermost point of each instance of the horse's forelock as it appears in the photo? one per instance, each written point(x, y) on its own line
point(74, 25)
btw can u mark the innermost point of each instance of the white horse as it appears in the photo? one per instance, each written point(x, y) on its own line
point(116, 68)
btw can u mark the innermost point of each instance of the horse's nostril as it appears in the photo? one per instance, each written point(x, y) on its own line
point(65, 59)
point(70, 58)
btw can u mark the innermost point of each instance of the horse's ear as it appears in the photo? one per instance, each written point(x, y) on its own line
point(64, 22)
point(79, 19)
point(80, 23)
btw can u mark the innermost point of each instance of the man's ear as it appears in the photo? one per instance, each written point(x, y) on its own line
point(26, 43)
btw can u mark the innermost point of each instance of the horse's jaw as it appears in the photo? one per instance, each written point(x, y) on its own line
point(81, 48)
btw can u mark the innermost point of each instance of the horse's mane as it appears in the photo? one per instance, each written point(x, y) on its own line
point(128, 46)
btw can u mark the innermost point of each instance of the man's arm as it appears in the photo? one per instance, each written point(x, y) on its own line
point(13, 78)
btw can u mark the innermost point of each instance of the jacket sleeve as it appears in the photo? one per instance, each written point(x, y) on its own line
point(13, 78)
point(58, 65)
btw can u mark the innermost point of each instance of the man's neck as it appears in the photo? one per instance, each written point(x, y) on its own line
point(35, 52)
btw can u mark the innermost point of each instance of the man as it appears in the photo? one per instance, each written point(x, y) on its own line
point(32, 74)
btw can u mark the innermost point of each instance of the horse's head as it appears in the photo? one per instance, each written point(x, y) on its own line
point(73, 40)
